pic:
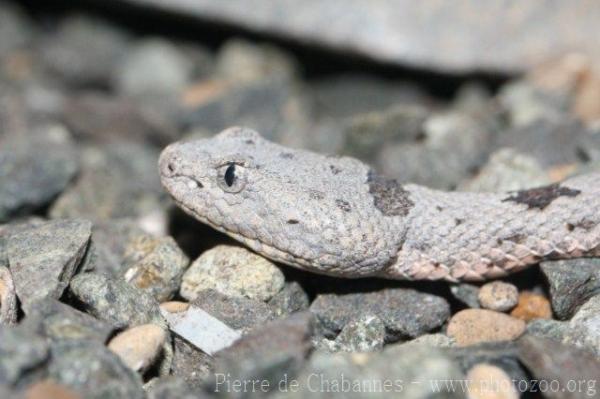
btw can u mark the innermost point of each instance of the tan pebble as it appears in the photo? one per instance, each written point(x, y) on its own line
point(472, 326)
point(174, 306)
point(490, 382)
point(532, 306)
point(138, 346)
point(48, 389)
point(498, 296)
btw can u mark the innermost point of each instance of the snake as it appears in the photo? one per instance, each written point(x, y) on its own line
point(335, 215)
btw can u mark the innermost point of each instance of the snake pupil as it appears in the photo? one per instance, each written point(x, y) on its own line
point(230, 175)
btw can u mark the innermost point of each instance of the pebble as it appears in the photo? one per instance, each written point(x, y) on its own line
point(272, 352)
point(104, 45)
point(115, 301)
point(292, 298)
point(48, 389)
point(174, 306)
point(472, 326)
point(139, 346)
point(15, 29)
point(584, 327)
point(232, 271)
point(508, 170)
point(498, 296)
point(171, 387)
point(241, 61)
point(466, 293)
point(93, 371)
point(365, 334)
point(24, 355)
point(57, 321)
point(437, 340)
point(34, 171)
point(563, 364)
point(532, 306)
point(237, 312)
point(8, 298)
point(154, 265)
point(190, 363)
point(43, 258)
point(572, 283)
point(490, 382)
point(366, 133)
point(405, 312)
point(153, 66)
point(130, 185)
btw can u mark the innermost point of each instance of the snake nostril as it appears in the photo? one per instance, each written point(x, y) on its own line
point(171, 167)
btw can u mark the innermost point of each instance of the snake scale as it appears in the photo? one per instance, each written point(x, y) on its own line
point(334, 215)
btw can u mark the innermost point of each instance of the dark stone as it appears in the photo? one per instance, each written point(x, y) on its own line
point(191, 364)
point(115, 301)
point(33, 172)
point(563, 363)
point(572, 282)
point(389, 196)
point(468, 294)
point(57, 321)
point(171, 387)
point(292, 298)
point(406, 313)
point(23, 355)
point(271, 353)
point(541, 197)
point(237, 312)
point(44, 257)
point(92, 370)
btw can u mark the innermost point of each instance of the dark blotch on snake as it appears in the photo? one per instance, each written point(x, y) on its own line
point(541, 197)
point(389, 196)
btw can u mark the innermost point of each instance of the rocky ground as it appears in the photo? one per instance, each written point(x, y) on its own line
point(103, 282)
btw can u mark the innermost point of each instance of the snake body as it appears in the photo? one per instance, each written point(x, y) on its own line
point(334, 215)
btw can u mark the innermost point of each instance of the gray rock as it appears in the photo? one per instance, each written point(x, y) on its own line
point(405, 312)
point(524, 104)
point(155, 265)
point(508, 170)
point(34, 171)
point(584, 327)
point(237, 312)
point(232, 271)
point(398, 371)
point(365, 334)
point(271, 353)
point(239, 60)
point(367, 133)
point(84, 51)
point(191, 364)
point(563, 364)
point(258, 104)
point(346, 95)
point(57, 322)
point(115, 301)
point(572, 283)
point(171, 387)
point(9, 307)
point(44, 258)
point(551, 142)
point(16, 30)
point(436, 340)
point(102, 118)
point(550, 329)
point(93, 371)
point(454, 144)
point(466, 293)
point(515, 41)
point(292, 298)
point(153, 67)
point(22, 356)
point(128, 180)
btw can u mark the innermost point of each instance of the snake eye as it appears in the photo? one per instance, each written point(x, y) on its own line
point(232, 178)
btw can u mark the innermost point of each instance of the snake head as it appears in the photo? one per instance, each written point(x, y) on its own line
point(297, 207)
